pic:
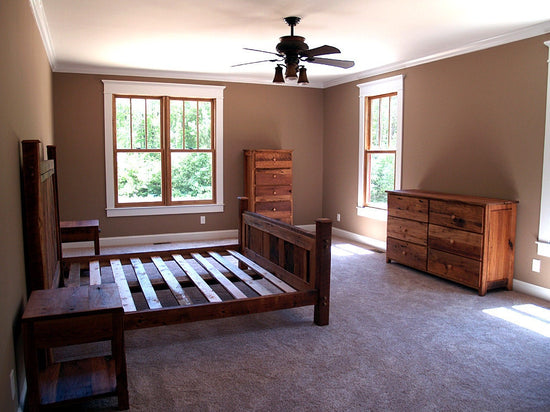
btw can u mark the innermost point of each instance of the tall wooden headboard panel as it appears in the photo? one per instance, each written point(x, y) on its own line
point(40, 218)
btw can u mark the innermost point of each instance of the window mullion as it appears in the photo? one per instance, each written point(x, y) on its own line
point(165, 151)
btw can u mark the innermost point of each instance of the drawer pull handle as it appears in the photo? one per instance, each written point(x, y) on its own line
point(274, 176)
point(452, 241)
point(453, 218)
point(403, 253)
point(274, 192)
point(274, 209)
point(449, 267)
point(274, 159)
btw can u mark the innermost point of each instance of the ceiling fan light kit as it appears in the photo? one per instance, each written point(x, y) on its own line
point(292, 50)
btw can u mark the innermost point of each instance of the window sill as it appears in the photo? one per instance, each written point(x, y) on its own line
point(543, 249)
point(373, 213)
point(163, 210)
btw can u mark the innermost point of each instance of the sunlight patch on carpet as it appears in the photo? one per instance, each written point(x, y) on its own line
point(529, 316)
point(347, 249)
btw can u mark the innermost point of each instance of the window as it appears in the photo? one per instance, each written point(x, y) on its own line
point(379, 145)
point(163, 148)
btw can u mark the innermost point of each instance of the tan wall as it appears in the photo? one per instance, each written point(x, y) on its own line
point(473, 124)
point(255, 117)
point(25, 113)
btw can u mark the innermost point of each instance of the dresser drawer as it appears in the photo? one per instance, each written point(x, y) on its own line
point(273, 160)
point(456, 241)
point(457, 215)
point(274, 177)
point(408, 230)
point(408, 207)
point(457, 268)
point(407, 253)
point(270, 193)
point(274, 209)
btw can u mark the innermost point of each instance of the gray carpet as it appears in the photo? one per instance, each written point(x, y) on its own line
point(398, 340)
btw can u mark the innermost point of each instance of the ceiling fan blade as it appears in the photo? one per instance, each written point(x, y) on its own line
point(344, 64)
point(259, 61)
point(317, 51)
point(263, 51)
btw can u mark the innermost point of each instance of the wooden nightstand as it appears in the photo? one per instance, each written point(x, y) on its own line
point(80, 230)
point(70, 316)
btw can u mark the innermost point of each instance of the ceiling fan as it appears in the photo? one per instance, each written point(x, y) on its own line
point(292, 51)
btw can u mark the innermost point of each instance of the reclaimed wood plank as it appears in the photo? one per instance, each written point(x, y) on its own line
point(95, 273)
point(171, 281)
point(199, 282)
point(242, 275)
point(122, 284)
point(74, 275)
point(261, 271)
point(220, 277)
point(146, 286)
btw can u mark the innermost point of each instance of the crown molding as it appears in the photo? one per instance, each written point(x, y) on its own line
point(172, 74)
point(42, 23)
point(521, 34)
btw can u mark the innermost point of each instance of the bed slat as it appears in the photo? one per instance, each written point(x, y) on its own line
point(171, 281)
point(145, 283)
point(95, 273)
point(74, 275)
point(285, 287)
point(123, 288)
point(257, 287)
point(206, 290)
point(226, 283)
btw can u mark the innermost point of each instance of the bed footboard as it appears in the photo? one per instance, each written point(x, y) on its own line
point(297, 257)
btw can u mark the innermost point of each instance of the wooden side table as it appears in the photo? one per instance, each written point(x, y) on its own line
point(69, 316)
point(80, 230)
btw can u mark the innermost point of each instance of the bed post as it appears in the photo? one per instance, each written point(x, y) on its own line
point(323, 230)
point(243, 207)
point(52, 155)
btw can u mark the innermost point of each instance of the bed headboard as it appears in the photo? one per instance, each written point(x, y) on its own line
point(40, 217)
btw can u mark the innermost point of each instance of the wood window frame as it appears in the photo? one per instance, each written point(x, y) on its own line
point(369, 150)
point(175, 91)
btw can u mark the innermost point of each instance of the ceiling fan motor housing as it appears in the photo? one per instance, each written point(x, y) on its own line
point(292, 47)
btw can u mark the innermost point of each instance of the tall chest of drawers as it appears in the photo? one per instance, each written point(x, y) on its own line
point(469, 240)
point(268, 183)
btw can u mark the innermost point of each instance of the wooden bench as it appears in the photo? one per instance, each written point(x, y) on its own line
point(79, 231)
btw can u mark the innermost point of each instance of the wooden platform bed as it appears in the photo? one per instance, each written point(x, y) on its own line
point(273, 266)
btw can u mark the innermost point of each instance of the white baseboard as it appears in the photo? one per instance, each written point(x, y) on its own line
point(158, 238)
point(530, 289)
point(379, 244)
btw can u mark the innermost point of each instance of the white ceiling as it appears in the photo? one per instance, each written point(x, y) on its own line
point(203, 38)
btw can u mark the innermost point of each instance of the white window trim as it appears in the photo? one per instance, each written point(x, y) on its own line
point(111, 87)
point(543, 243)
point(375, 88)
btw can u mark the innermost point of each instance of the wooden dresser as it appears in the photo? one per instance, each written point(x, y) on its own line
point(268, 183)
point(469, 240)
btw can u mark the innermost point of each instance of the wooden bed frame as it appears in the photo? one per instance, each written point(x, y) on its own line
point(273, 266)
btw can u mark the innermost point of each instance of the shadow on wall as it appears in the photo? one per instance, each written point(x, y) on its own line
point(469, 166)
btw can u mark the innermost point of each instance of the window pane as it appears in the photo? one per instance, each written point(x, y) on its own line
point(393, 122)
point(122, 108)
point(191, 176)
point(205, 124)
point(384, 122)
point(153, 124)
point(374, 127)
point(191, 124)
point(139, 177)
point(138, 124)
point(176, 124)
point(381, 168)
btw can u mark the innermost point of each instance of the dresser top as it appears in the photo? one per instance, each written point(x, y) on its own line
point(451, 197)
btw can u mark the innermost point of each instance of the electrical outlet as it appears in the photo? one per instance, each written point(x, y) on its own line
point(535, 267)
point(203, 220)
point(13, 385)
point(337, 217)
